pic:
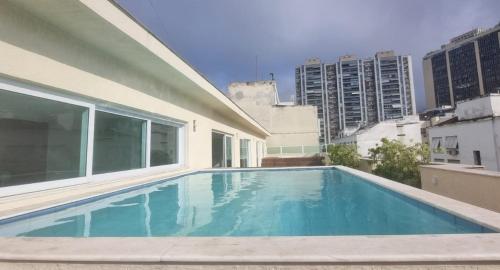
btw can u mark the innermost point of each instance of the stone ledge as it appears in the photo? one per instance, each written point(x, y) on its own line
point(331, 249)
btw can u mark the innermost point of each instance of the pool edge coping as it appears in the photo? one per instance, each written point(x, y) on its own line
point(408, 249)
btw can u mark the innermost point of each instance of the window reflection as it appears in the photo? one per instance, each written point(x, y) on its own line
point(40, 139)
point(164, 143)
point(119, 143)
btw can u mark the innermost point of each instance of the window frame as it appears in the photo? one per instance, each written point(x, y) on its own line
point(437, 144)
point(148, 142)
point(230, 137)
point(248, 157)
point(451, 143)
point(225, 135)
point(93, 106)
point(129, 115)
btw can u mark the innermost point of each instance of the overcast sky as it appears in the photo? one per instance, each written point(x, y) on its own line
point(221, 38)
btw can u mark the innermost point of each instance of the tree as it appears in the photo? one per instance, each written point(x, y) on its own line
point(343, 154)
point(399, 162)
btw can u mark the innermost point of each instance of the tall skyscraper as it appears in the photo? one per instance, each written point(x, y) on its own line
point(467, 67)
point(354, 93)
point(316, 85)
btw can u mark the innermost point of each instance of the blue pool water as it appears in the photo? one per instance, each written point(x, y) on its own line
point(246, 203)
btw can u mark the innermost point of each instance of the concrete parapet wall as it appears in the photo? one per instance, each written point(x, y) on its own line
point(290, 126)
point(467, 183)
point(292, 161)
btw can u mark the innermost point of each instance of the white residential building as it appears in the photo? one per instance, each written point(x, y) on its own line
point(472, 137)
point(407, 130)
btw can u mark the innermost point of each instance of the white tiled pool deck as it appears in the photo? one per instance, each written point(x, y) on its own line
point(459, 251)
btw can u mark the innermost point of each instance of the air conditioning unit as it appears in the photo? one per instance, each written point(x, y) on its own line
point(452, 152)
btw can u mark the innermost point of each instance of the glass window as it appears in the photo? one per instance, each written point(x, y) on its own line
point(222, 150)
point(451, 142)
point(436, 144)
point(217, 150)
point(244, 153)
point(164, 142)
point(40, 139)
point(257, 154)
point(119, 143)
point(229, 151)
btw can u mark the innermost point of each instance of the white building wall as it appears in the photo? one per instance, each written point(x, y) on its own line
point(479, 107)
point(288, 125)
point(479, 135)
point(256, 98)
point(406, 131)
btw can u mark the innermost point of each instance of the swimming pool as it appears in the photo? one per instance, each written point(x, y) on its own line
point(298, 202)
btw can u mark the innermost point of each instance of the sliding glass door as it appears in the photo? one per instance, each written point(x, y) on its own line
point(229, 151)
point(244, 153)
point(222, 150)
point(217, 150)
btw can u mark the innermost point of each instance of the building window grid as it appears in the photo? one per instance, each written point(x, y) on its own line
point(441, 81)
point(359, 92)
point(489, 54)
point(464, 74)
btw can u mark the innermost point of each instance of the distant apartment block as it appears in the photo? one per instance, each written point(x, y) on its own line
point(467, 67)
point(354, 93)
point(316, 85)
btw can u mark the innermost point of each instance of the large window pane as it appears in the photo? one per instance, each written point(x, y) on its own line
point(119, 143)
point(217, 150)
point(163, 144)
point(244, 153)
point(229, 151)
point(40, 139)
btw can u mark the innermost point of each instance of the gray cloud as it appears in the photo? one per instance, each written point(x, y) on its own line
point(222, 37)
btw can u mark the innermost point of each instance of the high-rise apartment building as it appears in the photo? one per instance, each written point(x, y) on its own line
point(467, 67)
point(353, 92)
point(316, 85)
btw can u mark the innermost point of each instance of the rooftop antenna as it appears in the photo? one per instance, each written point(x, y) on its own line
point(272, 76)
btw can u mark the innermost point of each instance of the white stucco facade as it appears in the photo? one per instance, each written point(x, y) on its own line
point(408, 131)
point(290, 126)
point(476, 129)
